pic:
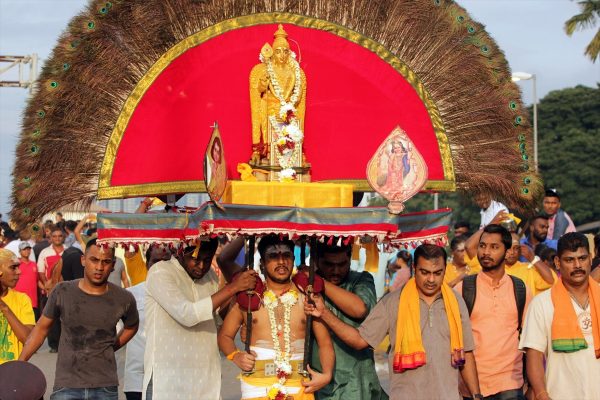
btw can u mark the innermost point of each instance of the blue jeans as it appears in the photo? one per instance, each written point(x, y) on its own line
point(99, 393)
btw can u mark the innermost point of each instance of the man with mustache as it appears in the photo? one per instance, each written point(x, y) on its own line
point(350, 296)
point(536, 274)
point(495, 319)
point(429, 329)
point(89, 310)
point(278, 329)
point(538, 234)
point(181, 358)
point(562, 328)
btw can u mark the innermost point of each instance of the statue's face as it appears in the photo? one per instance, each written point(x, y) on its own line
point(281, 55)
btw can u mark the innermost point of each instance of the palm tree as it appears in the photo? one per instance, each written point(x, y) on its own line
point(589, 16)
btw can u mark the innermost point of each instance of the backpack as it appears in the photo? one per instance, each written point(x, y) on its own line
point(469, 292)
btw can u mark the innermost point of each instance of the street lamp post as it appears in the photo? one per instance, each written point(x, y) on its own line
point(525, 76)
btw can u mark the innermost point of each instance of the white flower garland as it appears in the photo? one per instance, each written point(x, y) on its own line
point(289, 137)
point(283, 367)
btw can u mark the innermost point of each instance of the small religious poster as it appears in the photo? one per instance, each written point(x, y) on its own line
point(215, 168)
point(397, 171)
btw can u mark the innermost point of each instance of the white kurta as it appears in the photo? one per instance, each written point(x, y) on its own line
point(181, 354)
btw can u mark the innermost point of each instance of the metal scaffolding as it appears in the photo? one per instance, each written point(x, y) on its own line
point(21, 63)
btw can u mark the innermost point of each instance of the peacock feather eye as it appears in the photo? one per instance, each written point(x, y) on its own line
point(91, 25)
point(66, 66)
point(41, 113)
point(471, 29)
point(103, 10)
point(36, 133)
point(437, 2)
point(525, 157)
point(53, 84)
point(521, 138)
point(35, 228)
point(518, 120)
point(527, 180)
point(512, 105)
point(26, 211)
point(108, 4)
point(460, 18)
point(34, 149)
point(522, 146)
point(75, 43)
point(525, 167)
point(525, 191)
point(485, 49)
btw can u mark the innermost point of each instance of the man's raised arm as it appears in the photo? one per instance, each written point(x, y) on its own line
point(226, 260)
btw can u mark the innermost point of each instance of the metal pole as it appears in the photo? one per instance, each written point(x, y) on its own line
point(436, 201)
point(535, 126)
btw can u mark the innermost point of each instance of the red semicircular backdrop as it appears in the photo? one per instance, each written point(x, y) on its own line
point(354, 100)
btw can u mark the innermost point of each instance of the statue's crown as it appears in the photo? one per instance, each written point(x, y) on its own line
point(280, 38)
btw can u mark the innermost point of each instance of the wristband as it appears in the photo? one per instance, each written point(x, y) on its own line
point(534, 261)
point(232, 354)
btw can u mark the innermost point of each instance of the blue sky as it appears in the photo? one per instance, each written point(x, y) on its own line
point(529, 31)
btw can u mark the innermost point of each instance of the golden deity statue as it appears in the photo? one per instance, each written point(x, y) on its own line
point(278, 104)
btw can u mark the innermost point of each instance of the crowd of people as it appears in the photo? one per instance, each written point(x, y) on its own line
point(510, 313)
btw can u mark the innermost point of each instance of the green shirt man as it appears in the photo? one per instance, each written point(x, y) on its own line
point(350, 296)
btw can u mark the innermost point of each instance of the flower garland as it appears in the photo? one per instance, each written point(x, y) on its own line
point(288, 136)
point(283, 368)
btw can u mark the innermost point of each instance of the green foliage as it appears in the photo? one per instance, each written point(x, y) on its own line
point(569, 141)
point(586, 19)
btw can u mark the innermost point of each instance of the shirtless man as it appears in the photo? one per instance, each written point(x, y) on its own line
point(276, 351)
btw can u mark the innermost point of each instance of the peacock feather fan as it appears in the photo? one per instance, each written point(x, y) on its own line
point(108, 48)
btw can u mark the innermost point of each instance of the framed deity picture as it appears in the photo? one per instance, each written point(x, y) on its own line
point(215, 167)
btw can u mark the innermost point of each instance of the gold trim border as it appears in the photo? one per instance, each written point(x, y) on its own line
point(106, 191)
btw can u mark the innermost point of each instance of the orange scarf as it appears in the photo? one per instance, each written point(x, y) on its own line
point(566, 333)
point(409, 350)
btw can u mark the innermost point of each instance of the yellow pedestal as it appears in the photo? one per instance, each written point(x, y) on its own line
point(310, 195)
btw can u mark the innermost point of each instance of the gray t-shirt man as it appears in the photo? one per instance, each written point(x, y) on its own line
point(437, 379)
point(86, 357)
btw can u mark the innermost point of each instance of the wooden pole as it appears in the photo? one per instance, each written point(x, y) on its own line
point(249, 265)
point(309, 291)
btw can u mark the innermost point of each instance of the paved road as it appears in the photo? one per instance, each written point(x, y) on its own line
point(46, 361)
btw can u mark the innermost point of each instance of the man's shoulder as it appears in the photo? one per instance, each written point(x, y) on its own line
point(45, 251)
point(16, 297)
point(67, 285)
point(541, 304)
point(66, 288)
point(543, 298)
point(355, 278)
point(518, 267)
point(391, 299)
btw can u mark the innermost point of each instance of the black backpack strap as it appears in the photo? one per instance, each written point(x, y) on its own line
point(469, 291)
point(520, 298)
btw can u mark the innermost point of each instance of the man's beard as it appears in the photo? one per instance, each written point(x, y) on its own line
point(539, 237)
point(279, 280)
point(493, 267)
